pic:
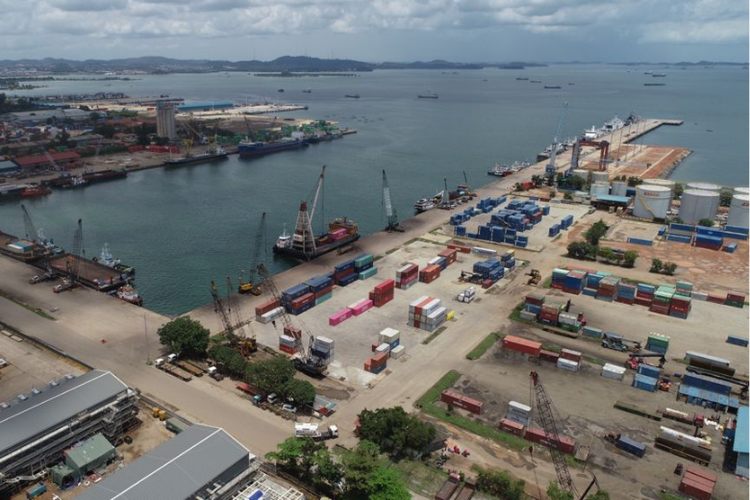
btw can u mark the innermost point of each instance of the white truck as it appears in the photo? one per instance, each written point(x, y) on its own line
point(312, 431)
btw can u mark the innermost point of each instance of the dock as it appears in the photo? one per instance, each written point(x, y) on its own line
point(91, 274)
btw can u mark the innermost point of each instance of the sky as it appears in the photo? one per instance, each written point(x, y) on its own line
point(379, 30)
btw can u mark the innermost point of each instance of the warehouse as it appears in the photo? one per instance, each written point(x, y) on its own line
point(742, 443)
point(66, 160)
point(37, 429)
point(200, 462)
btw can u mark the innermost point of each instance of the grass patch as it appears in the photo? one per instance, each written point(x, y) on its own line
point(668, 495)
point(482, 347)
point(426, 403)
point(433, 335)
point(594, 361)
point(515, 315)
point(35, 310)
point(552, 348)
point(388, 252)
point(420, 477)
point(218, 338)
point(547, 283)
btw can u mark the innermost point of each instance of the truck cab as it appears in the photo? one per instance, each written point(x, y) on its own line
point(159, 362)
point(171, 358)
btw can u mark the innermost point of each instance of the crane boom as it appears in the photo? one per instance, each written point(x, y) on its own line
point(392, 223)
point(317, 193)
point(556, 141)
point(31, 232)
point(221, 310)
point(547, 420)
point(78, 253)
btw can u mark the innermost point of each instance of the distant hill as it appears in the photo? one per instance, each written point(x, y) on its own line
point(155, 64)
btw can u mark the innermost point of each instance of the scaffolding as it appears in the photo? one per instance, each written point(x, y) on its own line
point(270, 489)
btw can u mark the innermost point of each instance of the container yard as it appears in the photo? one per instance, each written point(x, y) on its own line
point(401, 310)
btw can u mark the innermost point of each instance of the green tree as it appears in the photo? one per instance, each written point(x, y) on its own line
point(670, 268)
point(596, 232)
point(395, 431)
point(656, 266)
point(599, 495)
point(629, 258)
point(499, 484)
point(554, 492)
point(725, 199)
point(271, 375)
point(568, 195)
point(582, 251)
point(385, 484)
point(607, 254)
point(185, 336)
point(288, 454)
point(367, 475)
point(301, 391)
point(706, 222)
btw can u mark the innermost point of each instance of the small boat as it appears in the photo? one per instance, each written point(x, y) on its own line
point(551, 87)
point(34, 191)
point(522, 79)
point(658, 75)
point(307, 91)
point(427, 96)
point(654, 84)
point(535, 81)
point(129, 294)
point(352, 96)
point(423, 205)
point(284, 240)
point(105, 258)
point(281, 90)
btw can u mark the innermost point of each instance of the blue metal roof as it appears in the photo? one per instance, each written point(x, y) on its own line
point(713, 397)
point(612, 198)
point(205, 105)
point(742, 432)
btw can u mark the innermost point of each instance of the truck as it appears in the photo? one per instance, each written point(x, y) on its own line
point(313, 431)
point(47, 276)
point(448, 488)
point(617, 342)
point(256, 394)
point(184, 365)
point(682, 449)
point(163, 365)
point(214, 373)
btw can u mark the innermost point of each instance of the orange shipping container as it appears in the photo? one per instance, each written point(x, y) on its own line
point(522, 345)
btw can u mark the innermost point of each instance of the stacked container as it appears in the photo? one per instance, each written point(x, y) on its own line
point(558, 278)
point(321, 287)
point(554, 230)
point(569, 322)
point(529, 347)
point(398, 351)
point(574, 282)
point(533, 304)
point(658, 343)
point(407, 276)
point(427, 313)
point(450, 254)
point(429, 273)
point(467, 295)
point(735, 299)
point(363, 263)
point(662, 300)
point(439, 261)
point(377, 363)
point(297, 299)
point(360, 307)
point(383, 293)
point(342, 274)
point(550, 314)
point(267, 306)
point(626, 293)
point(614, 372)
point(391, 337)
point(518, 412)
point(608, 288)
point(323, 349)
point(287, 344)
point(644, 294)
point(680, 306)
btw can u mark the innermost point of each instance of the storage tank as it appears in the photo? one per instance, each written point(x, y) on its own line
point(703, 186)
point(652, 202)
point(619, 188)
point(600, 177)
point(697, 204)
point(738, 211)
point(742, 190)
point(599, 189)
point(583, 174)
point(661, 182)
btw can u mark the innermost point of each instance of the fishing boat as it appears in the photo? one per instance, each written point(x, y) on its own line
point(307, 91)
point(428, 95)
point(129, 294)
point(105, 258)
point(352, 96)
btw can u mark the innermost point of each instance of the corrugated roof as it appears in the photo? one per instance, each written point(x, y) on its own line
point(90, 451)
point(26, 161)
point(55, 406)
point(742, 432)
point(174, 470)
point(706, 395)
point(612, 198)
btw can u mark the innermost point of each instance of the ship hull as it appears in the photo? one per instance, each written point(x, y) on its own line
point(321, 249)
point(253, 151)
point(104, 176)
point(195, 160)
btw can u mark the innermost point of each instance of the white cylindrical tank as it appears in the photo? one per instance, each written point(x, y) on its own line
point(697, 204)
point(619, 188)
point(579, 172)
point(652, 202)
point(661, 182)
point(599, 189)
point(703, 186)
point(738, 211)
point(599, 177)
point(742, 190)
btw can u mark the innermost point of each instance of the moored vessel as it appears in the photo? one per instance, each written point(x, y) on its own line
point(129, 294)
point(248, 148)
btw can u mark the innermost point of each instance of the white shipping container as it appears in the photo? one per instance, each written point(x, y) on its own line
point(699, 295)
point(270, 315)
point(398, 351)
point(567, 364)
point(518, 408)
point(383, 348)
point(431, 307)
point(567, 319)
point(614, 372)
point(418, 301)
point(323, 341)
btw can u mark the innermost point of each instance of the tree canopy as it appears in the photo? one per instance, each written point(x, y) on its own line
point(301, 391)
point(499, 484)
point(596, 232)
point(270, 375)
point(395, 431)
point(367, 475)
point(185, 336)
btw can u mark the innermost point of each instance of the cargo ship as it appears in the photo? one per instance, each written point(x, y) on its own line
point(304, 245)
point(249, 149)
point(104, 175)
point(211, 154)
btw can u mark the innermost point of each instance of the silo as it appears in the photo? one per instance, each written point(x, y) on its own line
point(599, 177)
point(652, 202)
point(619, 188)
point(703, 186)
point(583, 174)
point(697, 204)
point(738, 211)
point(661, 182)
point(742, 190)
point(599, 189)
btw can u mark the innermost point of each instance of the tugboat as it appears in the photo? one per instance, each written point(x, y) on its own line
point(129, 294)
point(352, 96)
point(34, 191)
point(106, 259)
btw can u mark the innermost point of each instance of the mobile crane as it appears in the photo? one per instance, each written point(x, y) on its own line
point(392, 223)
point(73, 262)
point(254, 279)
point(229, 313)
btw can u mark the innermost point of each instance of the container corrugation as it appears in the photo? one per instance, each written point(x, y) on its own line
point(631, 446)
point(567, 364)
point(614, 372)
point(522, 345)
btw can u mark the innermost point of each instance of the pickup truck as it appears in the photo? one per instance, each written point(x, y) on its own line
point(312, 431)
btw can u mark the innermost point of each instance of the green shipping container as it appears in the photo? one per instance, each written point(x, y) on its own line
point(323, 298)
point(368, 273)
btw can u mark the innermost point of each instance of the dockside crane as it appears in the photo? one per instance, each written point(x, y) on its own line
point(254, 279)
point(550, 169)
point(392, 223)
point(44, 253)
point(306, 361)
point(228, 312)
point(73, 262)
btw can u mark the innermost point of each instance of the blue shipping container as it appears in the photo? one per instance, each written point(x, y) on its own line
point(295, 292)
point(347, 280)
point(649, 371)
point(707, 383)
point(732, 339)
point(631, 446)
point(644, 383)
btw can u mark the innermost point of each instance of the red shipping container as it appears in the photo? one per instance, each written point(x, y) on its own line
point(625, 300)
point(287, 349)
point(564, 444)
point(324, 291)
point(698, 479)
point(572, 290)
point(368, 365)
point(695, 489)
point(449, 254)
point(418, 308)
point(702, 473)
point(374, 346)
point(557, 286)
point(460, 248)
point(465, 402)
point(417, 324)
point(267, 306)
point(293, 332)
point(644, 295)
point(487, 283)
point(522, 345)
point(716, 299)
point(736, 296)
point(385, 286)
point(643, 302)
point(536, 300)
point(379, 359)
point(571, 355)
point(548, 356)
point(511, 426)
point(303, 300)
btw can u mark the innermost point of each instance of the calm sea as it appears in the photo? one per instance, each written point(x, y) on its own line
point(182, 228)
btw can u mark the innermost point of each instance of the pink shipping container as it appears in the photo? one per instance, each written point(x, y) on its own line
point(339, 317)
point(362, 307)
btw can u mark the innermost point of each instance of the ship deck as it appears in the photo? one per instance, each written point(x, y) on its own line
point(90, 273)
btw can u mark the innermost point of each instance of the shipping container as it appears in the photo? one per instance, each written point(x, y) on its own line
point(522, 345)
point(564, 444)
point(631, 446)
point(453, 398)
point(511, 426)
point(692, 488)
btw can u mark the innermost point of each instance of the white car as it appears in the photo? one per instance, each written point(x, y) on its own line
point(289, 407)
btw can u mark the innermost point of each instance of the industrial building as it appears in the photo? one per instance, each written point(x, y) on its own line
point(165, 120)
point(37, 429)
point(200, 462)
point(741, 444)
point(66, 160)
point(204, 106)
point(83, 460)
point(41, 116)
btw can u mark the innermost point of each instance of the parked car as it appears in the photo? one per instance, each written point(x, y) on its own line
point(289, 407)
point(272, 398)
